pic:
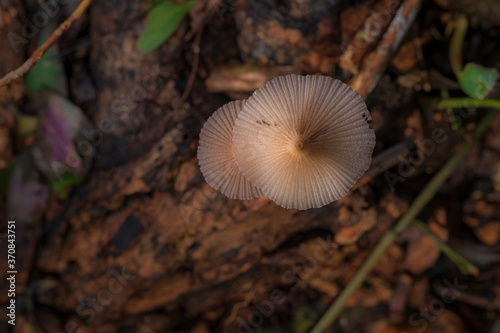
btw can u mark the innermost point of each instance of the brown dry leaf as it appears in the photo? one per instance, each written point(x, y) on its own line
point(326, 287)
point(489, 234)
point(477, 210)
point(446, 322)
point(418, 292)
point(188, 173)
point(380, 292)
point(383, 326)
point(200, 328)
point(406, 57)
point(389, 262)
point(25, 325)
point(423, 251)
point(350, 235)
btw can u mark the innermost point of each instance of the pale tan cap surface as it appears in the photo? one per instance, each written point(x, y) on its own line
point(303, 140)
point(216, 157)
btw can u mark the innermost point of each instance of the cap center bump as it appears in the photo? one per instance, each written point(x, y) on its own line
point(299, 145)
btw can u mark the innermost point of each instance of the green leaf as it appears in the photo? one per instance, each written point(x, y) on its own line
point(44, 74)
point(477, 81)
point(162, 21)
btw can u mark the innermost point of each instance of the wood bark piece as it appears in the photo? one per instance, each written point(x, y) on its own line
point(369, 33)
point(244, 78)
point(376, 62)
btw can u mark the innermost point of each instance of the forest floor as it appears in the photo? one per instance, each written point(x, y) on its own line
point(117, 231)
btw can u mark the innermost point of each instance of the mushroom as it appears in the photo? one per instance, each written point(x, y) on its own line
point(216, 157)
point(303, 140)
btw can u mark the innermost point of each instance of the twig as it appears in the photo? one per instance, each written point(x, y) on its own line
point(369, 33)
point(420, 201)
point(63, 27)
point(481, 302)
point(384, 161)
point(463, 264)
point(194, 68)
point(375, 64)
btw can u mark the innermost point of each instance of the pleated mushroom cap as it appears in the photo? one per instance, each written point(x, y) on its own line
point(216, 158)
point(303, 140)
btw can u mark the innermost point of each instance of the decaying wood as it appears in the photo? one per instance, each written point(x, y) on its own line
point(243, 78)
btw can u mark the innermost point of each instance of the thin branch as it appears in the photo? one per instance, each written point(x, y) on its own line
point(39, 52)
point(384, 161)
point(376, 62)
point(416, 207)
point(194, 68)
point(369, 34)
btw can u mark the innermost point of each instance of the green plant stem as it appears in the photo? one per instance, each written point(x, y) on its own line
point(463, 264)
point(457, 42)
point(416, 207)
point(468, 103)
point(445, 94)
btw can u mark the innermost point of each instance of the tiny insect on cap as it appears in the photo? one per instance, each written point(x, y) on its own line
point(304, 141)
point(216, 157)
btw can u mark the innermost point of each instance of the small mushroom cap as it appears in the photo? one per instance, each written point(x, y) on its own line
point(303, 140)
point(216, 157)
